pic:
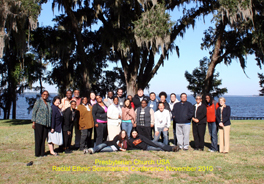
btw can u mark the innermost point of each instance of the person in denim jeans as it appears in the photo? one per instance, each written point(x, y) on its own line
point(140, 142)
point(162, 123)
point(119, 143)
point(211, 119)
point(128, 117)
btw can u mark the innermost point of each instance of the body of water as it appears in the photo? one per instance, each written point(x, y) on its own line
point(241, 106)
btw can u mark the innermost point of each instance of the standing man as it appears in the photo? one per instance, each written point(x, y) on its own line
point(70, 115)
point(173, 101)
point(109, 98)
point(76, 97)
point(139, 97)
point(144, 119)
point(153, 102)
point(65, 102)
point(182, 114)
point(121, 97)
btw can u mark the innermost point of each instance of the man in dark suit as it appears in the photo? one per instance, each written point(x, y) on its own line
point(71, 115)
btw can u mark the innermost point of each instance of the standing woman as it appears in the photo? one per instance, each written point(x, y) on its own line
point(223, 119)
point(86, 123)
point(41, 118)
point(199, 123)
point(55, 134)
point(211, 120)
point(128, 117)
point(92, 100)
point(114, 114)
point(100, 120)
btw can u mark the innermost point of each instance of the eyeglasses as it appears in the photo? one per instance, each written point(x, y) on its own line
point(45, 94)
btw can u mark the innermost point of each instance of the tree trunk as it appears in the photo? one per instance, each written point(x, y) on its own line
point(131, 85)
point(86, 88)
point(80, 48)
point(14, 107)
point(214, 59)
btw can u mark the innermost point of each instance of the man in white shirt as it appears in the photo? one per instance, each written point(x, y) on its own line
point(65, 102)
point(162, 123)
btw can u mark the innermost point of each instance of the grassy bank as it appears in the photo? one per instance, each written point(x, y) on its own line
point(244, 163)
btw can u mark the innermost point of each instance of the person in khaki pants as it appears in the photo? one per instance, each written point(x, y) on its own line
point(223, 119)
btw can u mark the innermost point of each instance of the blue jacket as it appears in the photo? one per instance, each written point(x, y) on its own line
point(225, 115)
point(41, 113)
point(56, 119)
point(153, 104)
point(182, 112)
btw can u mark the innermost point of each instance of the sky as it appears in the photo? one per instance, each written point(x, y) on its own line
point(170, 78)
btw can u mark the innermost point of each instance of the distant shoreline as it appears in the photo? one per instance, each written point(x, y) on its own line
point(167, 93)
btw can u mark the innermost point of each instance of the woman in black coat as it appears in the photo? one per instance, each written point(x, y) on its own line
point(100, 120)
point(55, 134)
point(199, 123)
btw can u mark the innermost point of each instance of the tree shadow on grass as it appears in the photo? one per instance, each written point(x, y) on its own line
point(16, 121)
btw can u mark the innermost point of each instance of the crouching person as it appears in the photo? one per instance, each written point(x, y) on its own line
point(162, 123)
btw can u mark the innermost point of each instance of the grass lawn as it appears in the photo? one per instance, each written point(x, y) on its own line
point(244, 163)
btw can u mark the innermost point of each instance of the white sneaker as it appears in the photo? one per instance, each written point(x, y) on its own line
point(85, 151)
point(211, 150)
point(90, 150)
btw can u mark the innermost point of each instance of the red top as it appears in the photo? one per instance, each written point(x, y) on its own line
point(132, 105)
point(211, 113)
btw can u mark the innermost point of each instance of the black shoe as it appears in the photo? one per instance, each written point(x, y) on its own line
point(195, 149)
point(175, 148)
point(68, 151)
point(30, 163)
point(185, 149)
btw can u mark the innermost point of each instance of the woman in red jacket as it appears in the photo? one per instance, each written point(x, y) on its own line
point(211, 119)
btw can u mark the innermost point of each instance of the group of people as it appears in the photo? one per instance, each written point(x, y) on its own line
point(120, 123)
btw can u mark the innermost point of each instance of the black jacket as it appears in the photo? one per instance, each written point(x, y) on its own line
point(98, 113)
point(137, 101)
point(226, 115)
point(182, 112)
point(200, 114)
point(68, 123)
point(141, 142)
point(56, 119)
point(114, 142)
point(121, 101)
